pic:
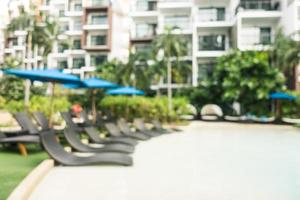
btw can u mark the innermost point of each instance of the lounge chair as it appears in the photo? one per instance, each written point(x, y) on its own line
point(75, 142)
point(93, 133)
point(115, 132)
point(125, 129)
point(20, 140)
point(57, 152)
point(288, 120)
point(157, 126)
point(140, 125)
point(25, 122)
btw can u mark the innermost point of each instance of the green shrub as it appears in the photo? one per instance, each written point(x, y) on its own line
point(146, 107)
point(291, 108)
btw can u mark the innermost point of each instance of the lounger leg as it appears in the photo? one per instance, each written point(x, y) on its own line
point(22, 149)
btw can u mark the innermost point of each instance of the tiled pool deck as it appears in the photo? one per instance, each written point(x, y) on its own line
point(209, 161)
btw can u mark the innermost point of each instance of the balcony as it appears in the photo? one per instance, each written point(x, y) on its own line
point(145, 9)
point(97, 43)
point(256, 41)
point(211, 45)
point(97, 3)
point(214, 17)
point(259, 5)
point(144, 32)
point(175, 5)
point(183, 23)
point(96, 22)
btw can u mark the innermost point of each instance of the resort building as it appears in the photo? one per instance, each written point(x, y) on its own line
point(93, 31)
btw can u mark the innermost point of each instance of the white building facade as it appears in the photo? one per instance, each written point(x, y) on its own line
point(93, 31)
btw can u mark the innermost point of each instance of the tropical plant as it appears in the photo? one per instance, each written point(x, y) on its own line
point(171, 47)
point(248, 78)
point(285, 55)
point(109, 70)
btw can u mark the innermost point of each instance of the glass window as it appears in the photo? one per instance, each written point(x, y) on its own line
point(212, 42)
point(205, 70)
point(265, 35)
point(78, 62)
point(77, 7)
point(212, 14)
point(76, 44)
point(97, 40)
point(182, 21)
point(144, 5)
point(14, 41)
point(145, 30)
point(62, 64)
point(97, 60)
point(99, 19)
point(143, 47)
point(100, 2)
point(61, 13)
point(77, 25)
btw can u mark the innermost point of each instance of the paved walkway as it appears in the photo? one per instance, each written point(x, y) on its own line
point(209, 161)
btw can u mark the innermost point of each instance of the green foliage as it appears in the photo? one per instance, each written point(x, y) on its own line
point(42, 104)
point(145, 107)
point(291, 108)
point(11, 88)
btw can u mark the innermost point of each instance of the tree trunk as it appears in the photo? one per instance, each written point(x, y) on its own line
point(93, 100)
point(28, 67)
point(169, 85)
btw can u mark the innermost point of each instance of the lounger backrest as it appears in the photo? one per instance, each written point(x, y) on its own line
point(25, 122)
point(68, 119)
point(41, 120)
point(157, 124)
point(53, 148)
point(124, 126)
point(112, 129)
point(72, 137)
point(93, 133)
point(2, 135)
point(139, 123)
point(99, 120)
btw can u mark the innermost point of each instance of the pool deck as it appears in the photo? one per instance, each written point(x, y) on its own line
point(209, 161)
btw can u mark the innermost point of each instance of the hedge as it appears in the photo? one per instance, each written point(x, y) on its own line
point(148, 108)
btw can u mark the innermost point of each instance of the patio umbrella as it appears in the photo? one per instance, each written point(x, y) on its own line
point(125, 91)
point(48, 75)
point(278, 96)
point(92, 84)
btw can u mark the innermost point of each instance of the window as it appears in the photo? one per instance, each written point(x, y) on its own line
point(205, 70)
point(98, 40)
point(78, 62)
point(145, 30)
point(62, 64)
point(76, 44)
point(99, 19)
point(100, 2)
point(212, 43)
point(77, 7)
point(97, 60)
point(63, 28)
point(265, 35)
point(77, 25)
point(143, 47)
point(180, 21)
point(14, 41)
point(144, 5)
point(61, 13)
point(211, 14)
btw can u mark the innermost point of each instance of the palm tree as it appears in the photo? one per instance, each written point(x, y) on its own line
point(286, 54)
point(135, 71)
point(171, 47)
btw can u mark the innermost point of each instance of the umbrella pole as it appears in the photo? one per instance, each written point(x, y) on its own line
point(51, 106)
point(93, 100)
point(27, 94)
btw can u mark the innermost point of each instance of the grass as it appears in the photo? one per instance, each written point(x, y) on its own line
point(14, 167)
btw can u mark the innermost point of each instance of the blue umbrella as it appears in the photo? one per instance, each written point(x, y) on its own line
point(47, 75)
point(92, 83)
point(281, 95)
point(277, 96)
point(125, 91)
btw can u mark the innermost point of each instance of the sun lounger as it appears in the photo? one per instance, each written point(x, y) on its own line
point(93, 133)
point(140, 125)
point(157, 125)
point(116, 133)
point(75, 142)
point(291, 120)
point(57, 152)
point(125, 129)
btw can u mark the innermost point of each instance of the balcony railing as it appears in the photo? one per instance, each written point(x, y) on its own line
point(98, 3)
point(177, 1)
point(182, 23)
point(258, 5)
point(263, 39)
point(213, 15)
point(146, 5)
point(212, 43)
